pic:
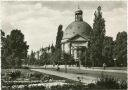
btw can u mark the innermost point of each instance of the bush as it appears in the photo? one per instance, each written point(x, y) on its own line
point(123, 84)
point(14, 74)
point(36, 75)
point(26, 87)
point(109, 82)
point(69, 87)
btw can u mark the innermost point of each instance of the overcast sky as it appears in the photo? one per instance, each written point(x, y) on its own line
point(39, 20)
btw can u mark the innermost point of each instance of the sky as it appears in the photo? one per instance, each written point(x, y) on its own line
point(39, 20)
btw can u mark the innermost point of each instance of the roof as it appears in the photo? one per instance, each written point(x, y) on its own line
point(77, 27)
point(78, 38)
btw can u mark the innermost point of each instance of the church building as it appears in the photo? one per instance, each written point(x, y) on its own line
point(76, 37)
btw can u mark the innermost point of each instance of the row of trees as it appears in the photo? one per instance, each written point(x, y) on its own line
point(13, 50)
point(41, 57)
point(102, 49)
point(51, 54)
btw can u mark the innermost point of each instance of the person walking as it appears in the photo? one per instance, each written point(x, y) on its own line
point(104, 66)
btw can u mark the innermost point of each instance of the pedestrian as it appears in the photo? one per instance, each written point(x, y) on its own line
point(104, 66)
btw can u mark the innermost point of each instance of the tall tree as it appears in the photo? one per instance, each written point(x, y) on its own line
point(59, 37)
point(58, 44)
point(107, 51)
point(97, 38)
point(17, 44)
point(120, 50)
point(4, 51)
point(16, 48)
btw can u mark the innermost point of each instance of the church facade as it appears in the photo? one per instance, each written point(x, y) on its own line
point(76, 37)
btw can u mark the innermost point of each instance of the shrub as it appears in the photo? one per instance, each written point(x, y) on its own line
point(26, 87)
point(69, 87)
point(14, 74)
point(123, 84)
point(109, 82)
point(36, 75)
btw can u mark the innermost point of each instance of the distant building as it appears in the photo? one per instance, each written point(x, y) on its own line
point(76, 37)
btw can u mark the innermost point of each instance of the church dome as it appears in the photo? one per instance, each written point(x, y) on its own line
point(77, 27)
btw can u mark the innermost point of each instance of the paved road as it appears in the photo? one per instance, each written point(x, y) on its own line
point(84, 79)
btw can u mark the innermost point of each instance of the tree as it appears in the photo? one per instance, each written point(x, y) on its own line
point(14, 48)
point(58, 45)
point(85, 59)
point(32, 58)
point(56, 56)
point(97, 38)
point(59, 37)
point(4, 51)
point(68, 60)
point(120, 50)
point(52, 49)
point(107, 51)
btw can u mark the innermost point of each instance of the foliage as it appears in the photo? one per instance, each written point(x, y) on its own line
point(56, 57)
point(56, 51)
point(68, 59)
point(85, 60)
point(44, 58)
point(97, 38)
point(14, 49)
point(74, 86)
point(107, 51)
point(59, 37)
point(32, 58)
point(26, 87)
point(13, 75)
point(120, 50)
point(36, 75)
point(109, 82)
point(4, 51)
point(52, 49)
